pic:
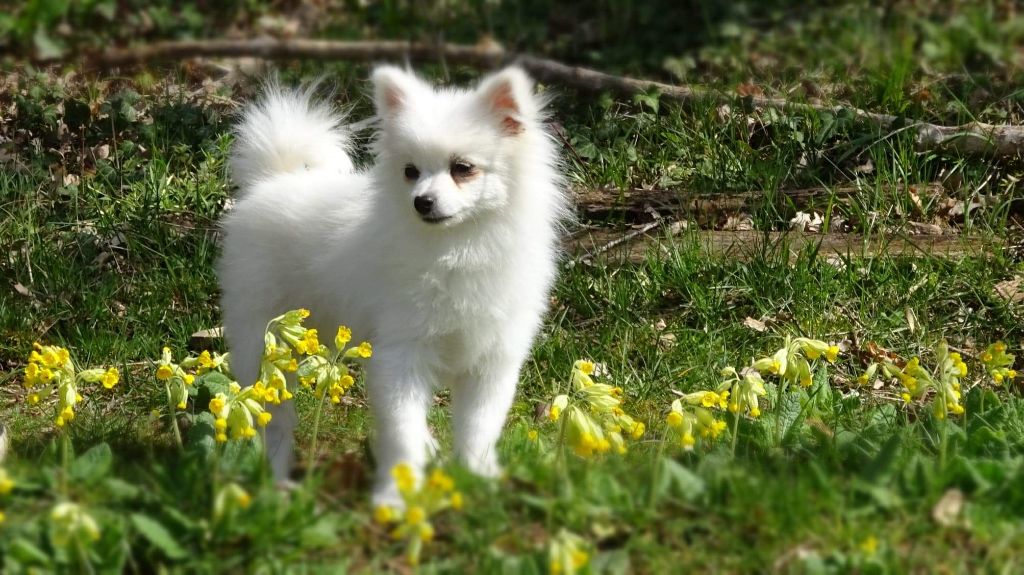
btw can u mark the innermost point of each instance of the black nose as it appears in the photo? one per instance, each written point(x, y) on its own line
point(423, 204)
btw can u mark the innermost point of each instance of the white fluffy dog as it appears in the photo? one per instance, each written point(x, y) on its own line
point(442, 254)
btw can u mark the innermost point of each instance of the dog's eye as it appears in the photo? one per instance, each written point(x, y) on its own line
point(461, 170)
point(412, 172)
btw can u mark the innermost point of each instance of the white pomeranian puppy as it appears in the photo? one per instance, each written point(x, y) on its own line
point(442, 254)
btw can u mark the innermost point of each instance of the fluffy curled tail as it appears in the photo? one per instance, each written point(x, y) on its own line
point(288, 130)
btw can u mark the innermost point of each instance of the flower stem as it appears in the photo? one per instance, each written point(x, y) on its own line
point(656, 473)
point(316, 433)
point(65, 460)
point(735, 431)
point(172, 413)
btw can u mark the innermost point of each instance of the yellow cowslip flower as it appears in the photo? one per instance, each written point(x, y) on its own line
point(383, 514)
point(686, 422)
point(237, 414)
point(944, 382)
point(557, 406)
point(596, 422)
point(441, 481)
point(674, 419)
point(342, 338)
point(72, 526)
point(532, 435)
point(436, 494)
point(415, 515)
point(110, 378)
point(405, 478)
point(308, 344)
point(791, 361)
point(176, 380)
point(869, 375)
point(998, 363)
point(585, 366)
point(364, 350)
point(745, 388)
point(869, 546)
point(230, 498)
point(2, 518)
point(6, 483)
point(567, 554)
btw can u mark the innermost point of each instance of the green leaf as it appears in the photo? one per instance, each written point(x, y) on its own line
point(92, 465)
point(158, 536)
point(119, 489)
point(791, 417)
point(676, 478)
point(46, 46)
point(323, 533)
point(201, 442)
point(26, 553)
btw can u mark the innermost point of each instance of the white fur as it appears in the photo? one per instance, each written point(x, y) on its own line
point(455, 303)
point(286, 132)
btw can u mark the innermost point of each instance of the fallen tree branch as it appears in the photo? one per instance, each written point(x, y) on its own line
point(967, 139)
point(745, 245)
point(707, 210)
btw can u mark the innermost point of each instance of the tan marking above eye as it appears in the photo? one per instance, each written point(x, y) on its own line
point(462, 171)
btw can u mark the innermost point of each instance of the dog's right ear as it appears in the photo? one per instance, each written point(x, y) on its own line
point(391, 89)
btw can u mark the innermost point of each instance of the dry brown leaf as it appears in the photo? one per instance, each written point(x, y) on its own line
point(947, 510)
point(1010, 290)
point(755, 324)
point(739, 223)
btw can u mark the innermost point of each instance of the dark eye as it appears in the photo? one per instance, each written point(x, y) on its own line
point(412, 172)
point(461, 170)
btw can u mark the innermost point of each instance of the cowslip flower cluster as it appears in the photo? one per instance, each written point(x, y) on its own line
point(945, 381)
point(174, 377)
point(230, 498)
point(238, 412)
point(6, 486)
point(792, 361)
point(72, 525)
point(50, 370)
point(595, 422)
point(690, 417)
point(741, 390)
point(567, 553)
point(206, 362)
point(327, 374)
point(320, 369)
point(998, 363)
point(436, 494)
point(289, 347)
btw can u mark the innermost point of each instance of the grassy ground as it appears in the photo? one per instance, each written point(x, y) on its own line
point(111, 187)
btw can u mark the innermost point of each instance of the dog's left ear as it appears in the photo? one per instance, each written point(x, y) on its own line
point(508, 96)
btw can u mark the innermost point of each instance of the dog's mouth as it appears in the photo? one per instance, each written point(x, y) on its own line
point(435, 219)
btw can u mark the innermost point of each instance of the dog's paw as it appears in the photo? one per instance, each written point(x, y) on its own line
point(487, 467)
point(388, 496)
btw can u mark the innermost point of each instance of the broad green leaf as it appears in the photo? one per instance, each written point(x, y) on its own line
point(158, 535)
point(92, 465)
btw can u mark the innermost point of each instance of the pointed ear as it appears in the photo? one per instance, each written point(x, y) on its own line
point(391, 90)
point(508, 96)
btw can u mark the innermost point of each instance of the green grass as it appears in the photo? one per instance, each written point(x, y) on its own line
point(110, 189)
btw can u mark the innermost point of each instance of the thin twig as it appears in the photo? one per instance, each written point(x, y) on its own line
point(967, 139)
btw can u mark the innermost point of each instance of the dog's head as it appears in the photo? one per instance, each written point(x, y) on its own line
point(454, 153)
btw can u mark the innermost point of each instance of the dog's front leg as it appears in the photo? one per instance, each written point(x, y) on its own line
point(480, 403)
point(401, 388)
